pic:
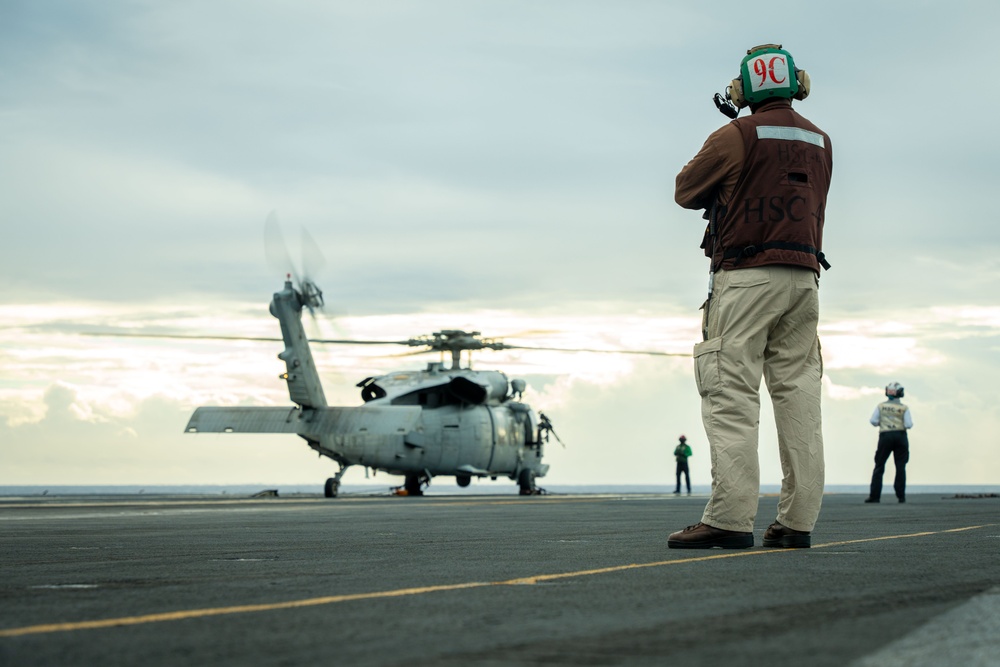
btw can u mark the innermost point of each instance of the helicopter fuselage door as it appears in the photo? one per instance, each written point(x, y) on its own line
point(467, 439)
point(451, 438)
point(506, 441)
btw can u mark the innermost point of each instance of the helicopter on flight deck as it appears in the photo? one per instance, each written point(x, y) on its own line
point(440, 421)
point(417, 424)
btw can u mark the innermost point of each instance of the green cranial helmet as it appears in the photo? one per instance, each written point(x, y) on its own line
point(768, 71)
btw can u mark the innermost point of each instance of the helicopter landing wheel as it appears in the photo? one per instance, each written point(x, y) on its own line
point(413, 485)
point(463, 480)
point(526, 480)
point(331, 488)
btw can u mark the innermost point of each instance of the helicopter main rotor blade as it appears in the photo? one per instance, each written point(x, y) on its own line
point(505, 346)
point(265, 339)
point(334, 341)
point(347, 341)
point(414, 353)
point(122, 334)
point(414, 342)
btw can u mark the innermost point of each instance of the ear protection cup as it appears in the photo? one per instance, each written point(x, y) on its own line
point(735, 93)
point(804, 83)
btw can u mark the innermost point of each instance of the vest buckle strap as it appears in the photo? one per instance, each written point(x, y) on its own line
point(739, 254)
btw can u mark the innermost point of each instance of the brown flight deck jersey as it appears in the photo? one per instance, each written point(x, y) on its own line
point(770, 174)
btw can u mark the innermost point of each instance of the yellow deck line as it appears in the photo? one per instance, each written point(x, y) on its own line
point(403, 592)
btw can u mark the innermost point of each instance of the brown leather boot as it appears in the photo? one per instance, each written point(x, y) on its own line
point(784, 537)
point(703, 536)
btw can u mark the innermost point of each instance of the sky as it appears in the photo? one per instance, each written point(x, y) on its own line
point(501, 166)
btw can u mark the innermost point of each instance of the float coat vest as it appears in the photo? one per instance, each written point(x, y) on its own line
point(776, 212)
point(890, 416)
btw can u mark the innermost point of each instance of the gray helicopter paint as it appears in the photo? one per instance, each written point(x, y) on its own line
point(332, 422)
point(400, 439)
point(416, 423)
point(507, 425)
point(304, 385)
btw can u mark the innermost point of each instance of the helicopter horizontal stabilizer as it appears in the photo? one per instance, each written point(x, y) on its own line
point(384, 420)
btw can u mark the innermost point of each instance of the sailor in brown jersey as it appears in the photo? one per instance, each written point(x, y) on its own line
point(765, 180)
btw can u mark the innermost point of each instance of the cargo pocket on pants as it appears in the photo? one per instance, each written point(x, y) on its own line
point(707, 371)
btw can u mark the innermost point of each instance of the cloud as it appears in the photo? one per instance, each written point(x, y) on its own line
point(121, 404)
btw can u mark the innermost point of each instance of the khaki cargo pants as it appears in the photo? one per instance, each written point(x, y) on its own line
point(762, 322)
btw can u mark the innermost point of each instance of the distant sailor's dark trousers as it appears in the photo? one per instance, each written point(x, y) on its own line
point(896, 444)
point(682, 467)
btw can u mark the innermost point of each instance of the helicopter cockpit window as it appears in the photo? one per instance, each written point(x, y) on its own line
point(429, 399)
point(433, 397)
point(372, 391)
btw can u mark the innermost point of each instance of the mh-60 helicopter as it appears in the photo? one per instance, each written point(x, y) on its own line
point(418, 424)
point(440, 421)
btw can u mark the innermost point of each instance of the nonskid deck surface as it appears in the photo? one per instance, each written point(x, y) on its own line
point(492, 579)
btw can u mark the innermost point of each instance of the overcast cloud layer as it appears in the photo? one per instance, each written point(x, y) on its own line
point(500, 166)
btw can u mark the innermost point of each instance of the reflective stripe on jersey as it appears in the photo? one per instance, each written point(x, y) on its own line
point(790, 134)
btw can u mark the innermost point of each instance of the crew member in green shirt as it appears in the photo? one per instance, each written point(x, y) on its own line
point(681, 452)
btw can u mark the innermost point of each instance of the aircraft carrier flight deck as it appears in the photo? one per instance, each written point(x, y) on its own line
point(490, 580)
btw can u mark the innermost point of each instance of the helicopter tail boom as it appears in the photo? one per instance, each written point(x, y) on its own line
point(304, 386)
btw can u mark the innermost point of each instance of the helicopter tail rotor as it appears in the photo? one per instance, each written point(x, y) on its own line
point(278, 258)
